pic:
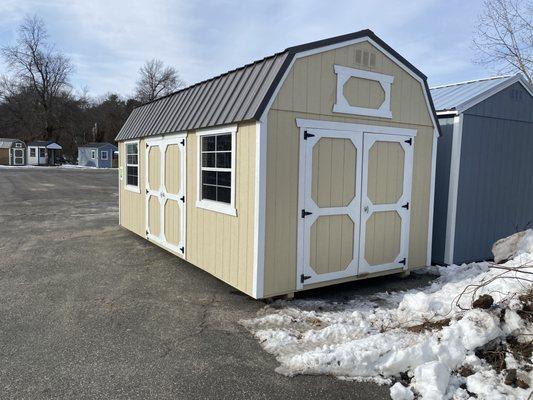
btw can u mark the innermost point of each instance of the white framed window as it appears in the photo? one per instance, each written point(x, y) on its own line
point(216, 169)
point(343, 106)
point(42, 152)
point(93, 154)
point(18, 144)
point(132, 166)
point(32, 151)
point(104, 155)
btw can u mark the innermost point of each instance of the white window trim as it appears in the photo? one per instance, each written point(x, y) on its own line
point(93, 154)
point(131, 188)
point(343, 106)
point(34, 152)
point(102, 155)
point(223, 208)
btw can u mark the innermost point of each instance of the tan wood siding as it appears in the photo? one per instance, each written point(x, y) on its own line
point(132, 206)
point(309, 92)
point(221, 244)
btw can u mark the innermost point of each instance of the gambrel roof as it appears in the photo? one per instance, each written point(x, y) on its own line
point(238, 95)
point(458, 97)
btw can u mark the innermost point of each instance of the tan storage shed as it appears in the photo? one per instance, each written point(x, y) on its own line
point(310, 167)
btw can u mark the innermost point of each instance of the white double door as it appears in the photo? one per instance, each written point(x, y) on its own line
point(355, 194)
point(18, 156)
point(165, 192)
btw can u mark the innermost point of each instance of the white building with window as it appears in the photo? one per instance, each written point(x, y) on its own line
point(98, 155)
point(44, 153)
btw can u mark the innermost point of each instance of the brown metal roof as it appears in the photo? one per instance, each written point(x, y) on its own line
point(238, 95)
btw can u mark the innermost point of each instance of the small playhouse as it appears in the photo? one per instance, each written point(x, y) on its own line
point(97, 154)
point(307, 168)
point(484, 181)
point(12, 152)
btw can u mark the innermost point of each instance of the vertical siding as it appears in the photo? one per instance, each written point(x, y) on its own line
point(309, 92)
point(221, 244)
point(442, 185)
point(495, 196)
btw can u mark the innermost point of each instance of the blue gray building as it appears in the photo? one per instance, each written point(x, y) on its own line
point(99, 155)
point(484, 174)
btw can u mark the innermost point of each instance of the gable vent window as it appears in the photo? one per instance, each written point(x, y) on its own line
point(365, 58)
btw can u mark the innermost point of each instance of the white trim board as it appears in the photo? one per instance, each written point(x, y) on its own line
point(432, 200)
point(343, 106)
point(453, 189)
point(260, 209)
point(347, 126)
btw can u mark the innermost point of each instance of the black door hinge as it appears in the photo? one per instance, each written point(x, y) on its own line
point(146, 191)
point(182, 198)
point(147, 233)
point(305, 213)
point(182, 142)
point(182, 249)
point(303, 278)
point(147, 145)
point(409, 141)
point(402, 261)
point(406, 206)
point(307, 135)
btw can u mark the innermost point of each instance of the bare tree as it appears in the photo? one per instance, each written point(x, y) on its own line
point(156, 80)
point(504, 36)
point(38, 66)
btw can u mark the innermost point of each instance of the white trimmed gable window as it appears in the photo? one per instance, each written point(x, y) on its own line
point(216, 170)
point(132, 166)
point(342, 104)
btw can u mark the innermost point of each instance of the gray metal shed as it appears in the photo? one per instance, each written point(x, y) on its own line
point(99, 155)
point(484, 176)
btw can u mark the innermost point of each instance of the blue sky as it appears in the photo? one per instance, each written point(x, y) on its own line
point(108, 40)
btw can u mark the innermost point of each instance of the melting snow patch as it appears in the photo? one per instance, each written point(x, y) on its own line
point(430, 342)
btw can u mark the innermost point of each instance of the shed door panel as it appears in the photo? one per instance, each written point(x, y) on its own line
point(18, 156)
point(165, 192)
point(385, 204)
point(332, 170)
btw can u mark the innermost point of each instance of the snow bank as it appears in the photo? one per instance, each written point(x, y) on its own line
point(419, 337)
point(511, 246)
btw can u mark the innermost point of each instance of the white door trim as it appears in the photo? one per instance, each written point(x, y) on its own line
point(306, 203)
point(162, 194)
point(347, 126)
point(367, 208)
point(14, 155)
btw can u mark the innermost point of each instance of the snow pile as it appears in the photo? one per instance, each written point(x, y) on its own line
point(511, 246)
point(430, 342)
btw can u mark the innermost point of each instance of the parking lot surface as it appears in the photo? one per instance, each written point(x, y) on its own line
point(90, 310)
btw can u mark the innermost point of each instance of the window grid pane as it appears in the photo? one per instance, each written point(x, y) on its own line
point(216, 167)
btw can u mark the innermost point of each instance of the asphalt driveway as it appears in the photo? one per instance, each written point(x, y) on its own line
point(90, 310)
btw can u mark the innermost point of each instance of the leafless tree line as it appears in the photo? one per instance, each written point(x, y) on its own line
point(37, 100)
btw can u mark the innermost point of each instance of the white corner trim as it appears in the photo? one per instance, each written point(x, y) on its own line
point(216, 206)
point(347, 126)
point(343, 106)
point(453, 188)
point(432, 196)
point(260, 209)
